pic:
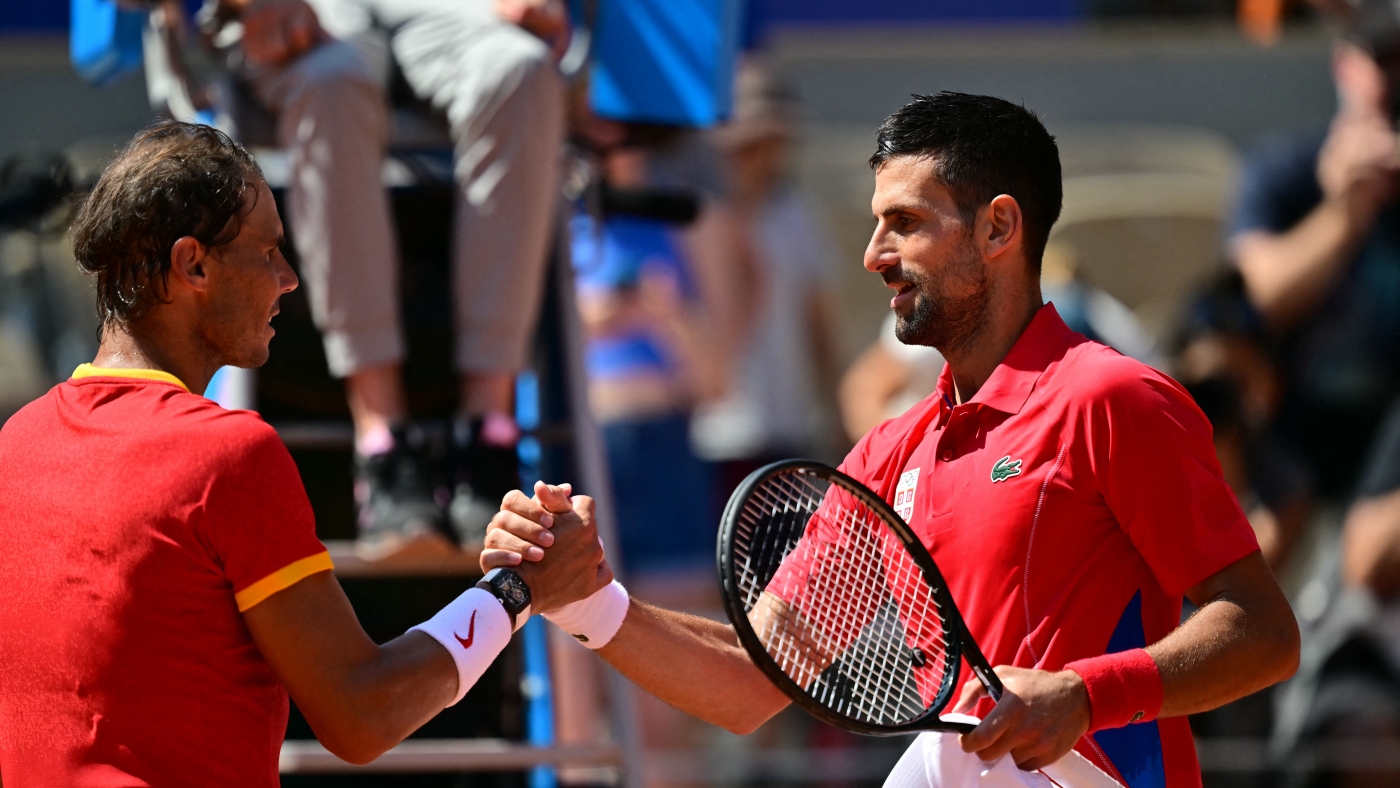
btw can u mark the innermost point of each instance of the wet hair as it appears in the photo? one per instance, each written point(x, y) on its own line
point(173, 180)
point(981, 146)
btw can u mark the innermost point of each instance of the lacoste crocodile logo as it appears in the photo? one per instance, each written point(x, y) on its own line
point(471, 633)
point(1005, 468)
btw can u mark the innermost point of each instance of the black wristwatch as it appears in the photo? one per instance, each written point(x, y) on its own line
point(508, 586)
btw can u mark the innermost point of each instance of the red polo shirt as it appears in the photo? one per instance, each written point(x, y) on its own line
point(137, 522)
point(1069, 505)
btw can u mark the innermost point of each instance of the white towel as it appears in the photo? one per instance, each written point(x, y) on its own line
point(935, 760)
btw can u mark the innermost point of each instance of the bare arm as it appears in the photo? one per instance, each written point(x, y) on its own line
point(1371, 544)
point(360, 698)
point(1289, 274)
point(694, 664)
point(1242, 639)
point(873, 379)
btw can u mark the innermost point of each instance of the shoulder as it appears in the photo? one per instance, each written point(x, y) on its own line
point(1100, 378)
point(228, 435)
point(21, 431)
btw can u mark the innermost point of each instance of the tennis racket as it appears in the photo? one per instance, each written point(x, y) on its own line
point(835, 598)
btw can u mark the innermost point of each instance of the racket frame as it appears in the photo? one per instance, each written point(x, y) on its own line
point(960, 643)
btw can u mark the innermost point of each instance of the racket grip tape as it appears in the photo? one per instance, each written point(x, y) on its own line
point(1124, 687)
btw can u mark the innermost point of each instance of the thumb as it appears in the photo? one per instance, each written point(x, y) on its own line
point(552, 498)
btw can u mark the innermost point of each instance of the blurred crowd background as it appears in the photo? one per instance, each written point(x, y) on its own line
point(1231, 217)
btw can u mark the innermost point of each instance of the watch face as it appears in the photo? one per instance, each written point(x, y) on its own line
point(513, 590)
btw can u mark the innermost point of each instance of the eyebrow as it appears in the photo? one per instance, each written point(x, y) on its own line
point(904, 207)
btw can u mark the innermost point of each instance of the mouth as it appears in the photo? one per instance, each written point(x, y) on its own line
point(905, 293)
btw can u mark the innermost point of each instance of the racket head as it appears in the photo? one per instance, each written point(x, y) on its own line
point(890, 658)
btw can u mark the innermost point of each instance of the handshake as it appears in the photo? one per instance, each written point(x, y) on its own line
point(551, 541)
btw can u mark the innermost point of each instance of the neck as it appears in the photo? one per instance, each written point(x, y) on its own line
point(131, 346)
point(974, 360)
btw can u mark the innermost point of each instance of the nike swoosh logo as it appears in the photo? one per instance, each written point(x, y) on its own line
point(471, 632)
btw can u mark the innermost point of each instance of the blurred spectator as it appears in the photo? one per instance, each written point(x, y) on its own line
point(889, 376)
point(652, 355)
point(321, 68)
point(1316, 235)
point(1224, 363)
point(47, 323)
point(1357, 701)
point(1371, 537)
point(779, 400)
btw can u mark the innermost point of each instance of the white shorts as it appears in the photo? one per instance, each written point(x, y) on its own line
point(935, 760)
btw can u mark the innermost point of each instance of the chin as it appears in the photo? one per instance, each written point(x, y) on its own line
point(248, 358)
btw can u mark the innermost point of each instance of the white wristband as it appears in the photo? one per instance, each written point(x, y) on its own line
point(593, 621)
point(474, 628)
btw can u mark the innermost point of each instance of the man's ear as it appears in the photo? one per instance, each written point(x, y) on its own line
point(188, 260)
point(1002, 226)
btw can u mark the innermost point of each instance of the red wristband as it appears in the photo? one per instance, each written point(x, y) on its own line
point(1124, 687)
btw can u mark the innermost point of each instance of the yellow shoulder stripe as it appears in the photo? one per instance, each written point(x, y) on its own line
point(89, 371)
point(282, 579)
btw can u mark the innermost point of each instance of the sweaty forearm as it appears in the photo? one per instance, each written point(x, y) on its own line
point(694, 664)
point(1237, 643)
point(1287, 275)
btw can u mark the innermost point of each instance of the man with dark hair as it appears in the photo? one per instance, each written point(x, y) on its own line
point(163, 586)
point(1070, 568)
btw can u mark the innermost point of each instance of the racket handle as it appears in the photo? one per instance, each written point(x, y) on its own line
point(989, 679)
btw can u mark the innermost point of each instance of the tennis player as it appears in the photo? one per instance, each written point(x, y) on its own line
point(1070, 494)
point(161, 584)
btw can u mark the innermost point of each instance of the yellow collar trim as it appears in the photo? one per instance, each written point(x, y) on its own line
point(89, 371)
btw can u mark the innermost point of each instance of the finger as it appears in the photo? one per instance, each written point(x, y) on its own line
point(552, 498)
point(527, 531)
point(515, 502)
point(491, 559)
point(1031, 758)
point(523, 528)
point(500, 539)
point(972, 692)
point(582, 504)
point(987, 738)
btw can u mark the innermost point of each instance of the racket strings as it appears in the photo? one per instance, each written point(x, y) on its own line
point(861, 624)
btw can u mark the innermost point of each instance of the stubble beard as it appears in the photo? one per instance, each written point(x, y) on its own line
point(949, 309)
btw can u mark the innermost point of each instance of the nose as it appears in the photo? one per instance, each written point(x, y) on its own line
point(286, 277)
point(878, 253)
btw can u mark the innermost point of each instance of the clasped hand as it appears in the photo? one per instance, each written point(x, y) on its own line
point(552, 541)
point(1041, 714)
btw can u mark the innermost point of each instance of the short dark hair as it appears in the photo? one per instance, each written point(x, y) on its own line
point(173, 180)
point(982, 146)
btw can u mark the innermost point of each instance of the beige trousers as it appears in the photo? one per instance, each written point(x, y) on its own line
point(504, 100)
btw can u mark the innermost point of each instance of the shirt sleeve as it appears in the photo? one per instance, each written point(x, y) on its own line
point(1155, 461)
point(1278, 186)
point(258, 518)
